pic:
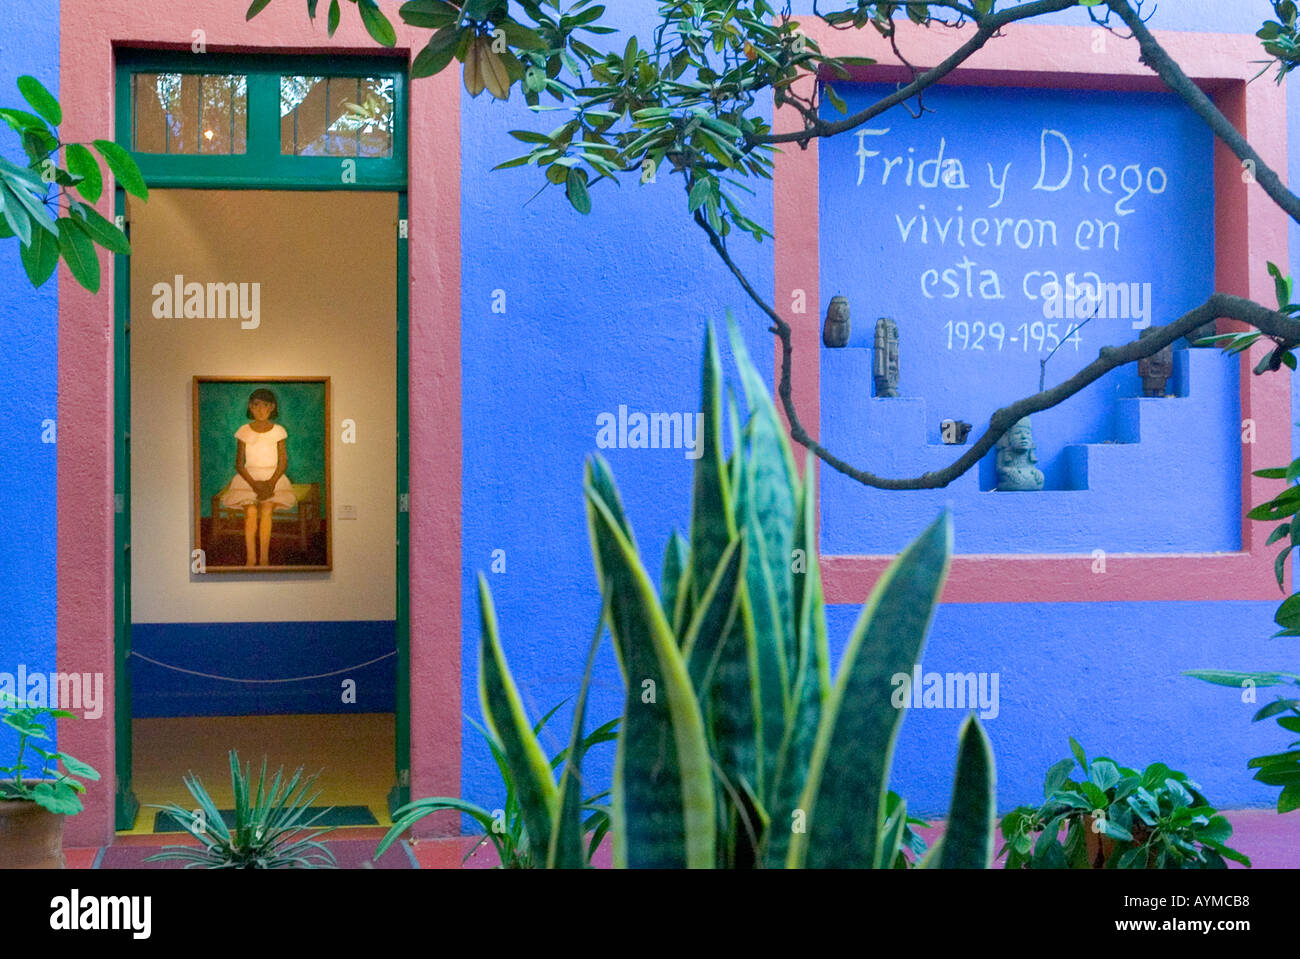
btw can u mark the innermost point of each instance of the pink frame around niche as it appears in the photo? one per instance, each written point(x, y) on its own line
point(1249, 229)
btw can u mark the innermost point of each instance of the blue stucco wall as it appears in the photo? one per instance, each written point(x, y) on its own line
point(29, 44)
point(623, 325)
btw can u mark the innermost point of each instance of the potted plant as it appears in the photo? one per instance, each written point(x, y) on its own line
point(34, 799)
point(269, 831)
point(1117, 818)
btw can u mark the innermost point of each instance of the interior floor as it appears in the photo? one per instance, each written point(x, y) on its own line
point(355, 754)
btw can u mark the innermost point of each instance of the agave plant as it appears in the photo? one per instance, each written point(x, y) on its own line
point(736, 748)
point(271, 828)
point(505, 828)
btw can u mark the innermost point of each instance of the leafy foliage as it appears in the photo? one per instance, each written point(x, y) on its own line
point(1275, 769)
point(505, 828)
point(34, 198)
point(690, 101)
point(44, 783)
point(1117, 818)
point(736, 749)
point(1281, 38)
point(271, 829)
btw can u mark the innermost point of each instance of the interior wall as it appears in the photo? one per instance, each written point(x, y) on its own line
point(326, 265)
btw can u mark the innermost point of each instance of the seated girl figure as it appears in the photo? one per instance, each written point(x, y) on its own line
point(260, 486)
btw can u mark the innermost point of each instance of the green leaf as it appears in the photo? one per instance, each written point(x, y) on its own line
point(15, 215)
point(676, 559)
point(566, 848)
point(333, 18)
point(124, 168)
point(576, 190)
point(437, 53)
point(377, 25)
point(41, 100)
point(1223, 677)
point(713, 526)
point(254, 8)
point(58, 798)
point(1104, 774)
point(79, 253)
point(20, 120)
point(82, 163)
point(848, 774)
point(968, 841)
point(100, 230)
point(810, 685)
point(662, 809)
point(504, 715)
point(34, 207)
point(431, 14)
point(40, 257)
point(1079, 754)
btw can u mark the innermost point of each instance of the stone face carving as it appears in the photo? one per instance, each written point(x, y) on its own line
point(1156, 370)
point(835, 333)
point(884, 366)
point(1016, 459)
point(954, 432)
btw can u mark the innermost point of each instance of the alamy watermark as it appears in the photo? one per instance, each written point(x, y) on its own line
point(653, 431)
point(75, 692)
point(1097, 299)
point(208, 301)
point(946, 691)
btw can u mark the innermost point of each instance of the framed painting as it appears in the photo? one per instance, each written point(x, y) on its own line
point(262, 479)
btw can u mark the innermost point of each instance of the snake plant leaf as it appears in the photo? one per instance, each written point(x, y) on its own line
point(811, 681)
point(719, 608)
point(968, 841)
point(843, 798)
point(676, 557)
point(712, 526)
point(504, 715)
point(767, 607)
point(895, 824)
point(662, 809)
point(566, 850)
point(598, 477)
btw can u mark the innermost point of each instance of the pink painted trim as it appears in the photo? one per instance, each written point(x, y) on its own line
point(1250, 230)
point(84, 629)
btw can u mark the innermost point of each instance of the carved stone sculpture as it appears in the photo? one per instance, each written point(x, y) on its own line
point(884, 367)
point(1016, 459)
point(1156, 370)
point(835, 332)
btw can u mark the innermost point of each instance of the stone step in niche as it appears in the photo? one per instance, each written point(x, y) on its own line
point(1182, 450)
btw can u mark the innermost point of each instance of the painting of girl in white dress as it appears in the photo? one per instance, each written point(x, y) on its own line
point(261, 468)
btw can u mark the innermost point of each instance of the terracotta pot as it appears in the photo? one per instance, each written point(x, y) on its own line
point(31, 837)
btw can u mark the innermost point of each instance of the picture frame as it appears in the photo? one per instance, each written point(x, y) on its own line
point(231, 514)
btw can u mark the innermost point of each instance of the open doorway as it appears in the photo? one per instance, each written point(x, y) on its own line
point(281, 643)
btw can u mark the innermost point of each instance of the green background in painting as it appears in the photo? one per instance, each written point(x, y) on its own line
point(223, 408)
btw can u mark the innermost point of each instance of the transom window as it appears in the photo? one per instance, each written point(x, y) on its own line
point(312, 121)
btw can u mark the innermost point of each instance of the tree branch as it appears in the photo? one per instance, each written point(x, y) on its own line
point(988, 27)
point(1154, 56)
point(1278, 325)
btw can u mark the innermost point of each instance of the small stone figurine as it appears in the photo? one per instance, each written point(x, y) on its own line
point(1156, 370)
point(884, 366)
point(835, 333)
point(1016, 459)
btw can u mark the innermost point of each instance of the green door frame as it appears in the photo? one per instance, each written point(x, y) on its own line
point(261, 167)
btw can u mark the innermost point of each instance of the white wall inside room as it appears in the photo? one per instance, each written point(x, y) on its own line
point(327, 266)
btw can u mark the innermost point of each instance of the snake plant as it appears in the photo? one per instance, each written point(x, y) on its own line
point(737, 748)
